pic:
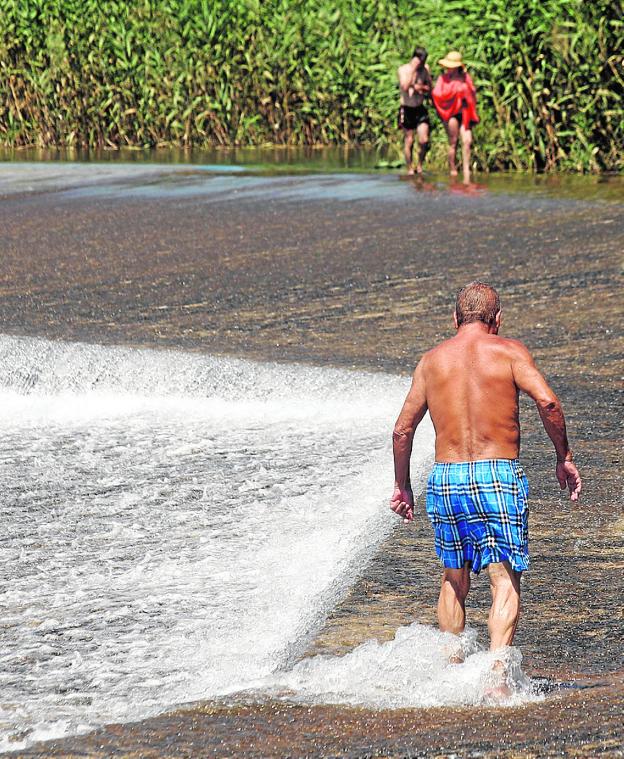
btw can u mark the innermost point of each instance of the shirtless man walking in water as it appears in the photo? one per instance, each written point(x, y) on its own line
point(415, 85)
point(477, 492)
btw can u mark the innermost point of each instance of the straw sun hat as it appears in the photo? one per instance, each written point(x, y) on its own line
point(452, 60)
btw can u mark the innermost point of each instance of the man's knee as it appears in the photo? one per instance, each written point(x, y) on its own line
point(505, 582)
point(458, 580)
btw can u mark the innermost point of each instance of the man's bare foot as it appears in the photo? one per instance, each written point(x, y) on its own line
point(454, 651)
point(410, 172)
point(497, 694)
point(419, 170)
point(453, 172)
point(499, 689)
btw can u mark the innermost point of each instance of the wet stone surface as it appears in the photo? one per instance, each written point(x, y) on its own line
point(369, 283)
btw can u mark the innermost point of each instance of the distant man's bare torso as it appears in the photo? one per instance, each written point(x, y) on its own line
point(409, 81)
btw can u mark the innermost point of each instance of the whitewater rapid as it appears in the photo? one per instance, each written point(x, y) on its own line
point(175, 526)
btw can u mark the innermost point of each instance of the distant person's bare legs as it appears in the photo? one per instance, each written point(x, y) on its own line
point(452, 604)
point(454, 130)
point(408, 149)
point(423, 145)
point(466, 138)
point(505, 610)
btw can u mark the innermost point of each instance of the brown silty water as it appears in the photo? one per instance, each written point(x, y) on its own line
point(360, 271)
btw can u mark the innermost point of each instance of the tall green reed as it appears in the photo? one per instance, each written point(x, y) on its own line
point(234, 72)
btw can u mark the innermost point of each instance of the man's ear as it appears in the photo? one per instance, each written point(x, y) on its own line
point(455, 319)
point(497, 319)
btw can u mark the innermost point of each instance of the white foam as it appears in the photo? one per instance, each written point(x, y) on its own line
point(175, 526)
point(413, 670)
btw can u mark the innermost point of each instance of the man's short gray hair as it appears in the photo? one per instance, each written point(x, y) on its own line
point(477, 302)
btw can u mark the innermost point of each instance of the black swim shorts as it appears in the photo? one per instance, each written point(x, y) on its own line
point(411, 116)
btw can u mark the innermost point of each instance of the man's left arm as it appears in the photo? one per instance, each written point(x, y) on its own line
point(414, 409)
point(529, 379)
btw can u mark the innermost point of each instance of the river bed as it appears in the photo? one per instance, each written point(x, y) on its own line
point(350, 270)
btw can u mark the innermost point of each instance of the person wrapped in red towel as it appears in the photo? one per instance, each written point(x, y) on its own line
point(454, 97)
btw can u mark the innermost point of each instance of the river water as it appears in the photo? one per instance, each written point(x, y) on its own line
point(184, 524)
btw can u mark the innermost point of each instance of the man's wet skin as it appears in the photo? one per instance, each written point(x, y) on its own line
point(470, 386)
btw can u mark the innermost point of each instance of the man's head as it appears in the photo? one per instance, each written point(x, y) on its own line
point(421, 54)
point(477, 302)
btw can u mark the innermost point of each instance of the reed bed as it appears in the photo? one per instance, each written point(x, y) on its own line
point(96, 73)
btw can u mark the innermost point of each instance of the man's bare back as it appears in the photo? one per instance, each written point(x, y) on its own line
point(470, 385)
point(472, 395)
point(477, 492)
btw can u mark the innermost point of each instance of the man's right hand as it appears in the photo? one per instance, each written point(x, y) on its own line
point(402, 503)
point(568, 476)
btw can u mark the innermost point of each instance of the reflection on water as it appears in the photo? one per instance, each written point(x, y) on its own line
point(325, 160)
point(147, 181)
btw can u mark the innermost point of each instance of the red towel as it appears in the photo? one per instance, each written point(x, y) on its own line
point(450, 96)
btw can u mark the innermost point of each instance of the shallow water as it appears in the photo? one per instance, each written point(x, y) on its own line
point(255, 172)
point(339, 269)
point(410, 671)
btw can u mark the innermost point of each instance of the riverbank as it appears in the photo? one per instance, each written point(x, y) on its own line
point(232, 73)
point(361, 272)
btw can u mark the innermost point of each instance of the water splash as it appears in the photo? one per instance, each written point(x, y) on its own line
point(175, 526)
point(413, 670)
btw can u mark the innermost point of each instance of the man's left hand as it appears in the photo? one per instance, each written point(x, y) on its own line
point(402, 503)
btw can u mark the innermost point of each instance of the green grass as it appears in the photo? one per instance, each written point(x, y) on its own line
point(87, 73)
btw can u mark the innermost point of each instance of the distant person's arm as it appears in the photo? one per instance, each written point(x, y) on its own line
point(528, 378)
point(405, 78)
point(414, 409)
point(427, 83)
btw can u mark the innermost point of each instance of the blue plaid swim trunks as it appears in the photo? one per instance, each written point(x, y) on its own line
point(480, 512)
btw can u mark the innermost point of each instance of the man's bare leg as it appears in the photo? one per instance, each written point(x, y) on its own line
point(466, 138)
point(408, 148)
point(452, 130)
point(505, 610)
point(502, 622)
point(423, 145)
point(452, 603)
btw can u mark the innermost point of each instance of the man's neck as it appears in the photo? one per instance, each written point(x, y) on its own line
point(475, 328)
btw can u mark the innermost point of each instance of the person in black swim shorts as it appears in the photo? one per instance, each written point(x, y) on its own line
point(415, 86)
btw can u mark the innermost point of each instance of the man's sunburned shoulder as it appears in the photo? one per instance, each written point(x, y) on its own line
point(430, 356)
point(515, 349)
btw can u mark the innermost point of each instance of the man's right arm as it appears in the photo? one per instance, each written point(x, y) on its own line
point(404, 78)
point(414, 409)
point(529, 379)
